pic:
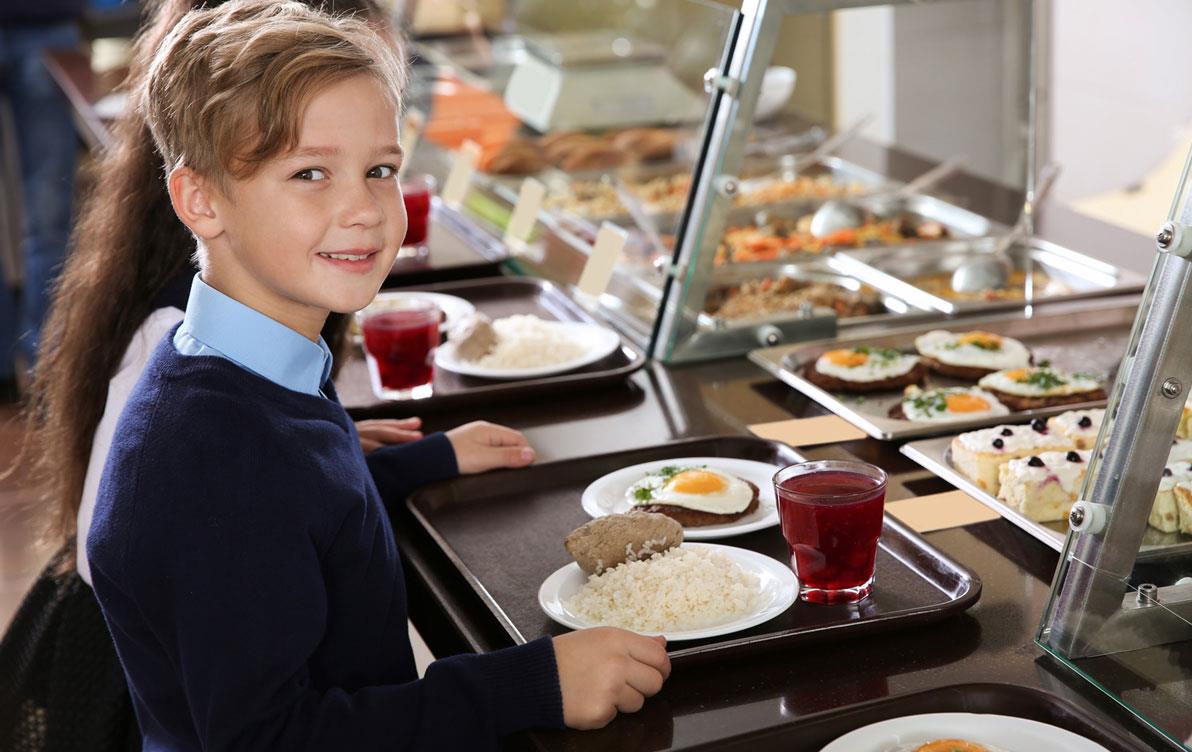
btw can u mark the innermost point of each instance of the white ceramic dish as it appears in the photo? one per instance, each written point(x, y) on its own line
point(598, 341)
point(453, 308)
point(606, 495)
point(1002, 732)
point(779, 588)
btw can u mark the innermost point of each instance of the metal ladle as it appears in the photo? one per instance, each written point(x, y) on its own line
point(992, 271)
point(839, 214)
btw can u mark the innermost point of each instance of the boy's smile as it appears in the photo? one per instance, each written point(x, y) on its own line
point(315, 229)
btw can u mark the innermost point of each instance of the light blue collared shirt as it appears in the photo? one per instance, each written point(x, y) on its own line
point(226, 328)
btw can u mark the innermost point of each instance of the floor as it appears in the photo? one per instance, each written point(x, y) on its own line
point(23, 553)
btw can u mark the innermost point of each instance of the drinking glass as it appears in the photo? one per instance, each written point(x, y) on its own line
point(831, 515)
point(399, 347)
point(416, 192)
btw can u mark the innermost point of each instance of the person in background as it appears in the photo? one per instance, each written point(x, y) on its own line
point(240, 550)
point(46, 153)
point(125, 284)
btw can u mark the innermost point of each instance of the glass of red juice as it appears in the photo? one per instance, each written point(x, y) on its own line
point(831, 515)
point(416, 192)
point(399, 346)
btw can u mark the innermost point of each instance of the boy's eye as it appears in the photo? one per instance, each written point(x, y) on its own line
point(382, 171)
point(311, 173)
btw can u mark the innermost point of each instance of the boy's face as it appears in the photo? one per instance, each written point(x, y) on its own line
point(316, 229)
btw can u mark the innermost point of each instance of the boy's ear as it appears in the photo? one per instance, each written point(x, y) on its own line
point(191, 196)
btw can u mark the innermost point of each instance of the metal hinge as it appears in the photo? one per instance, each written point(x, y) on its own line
point(1175, 238)
point(714, 80)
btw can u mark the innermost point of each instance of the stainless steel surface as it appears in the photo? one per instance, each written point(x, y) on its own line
point(1088, 337)
point(936, 455)
point(993, 272)
point(894, 270)
point(842, 214)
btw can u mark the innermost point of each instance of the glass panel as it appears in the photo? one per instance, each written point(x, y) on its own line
point(603, 103)
point(1121, 606)
point(905, 89)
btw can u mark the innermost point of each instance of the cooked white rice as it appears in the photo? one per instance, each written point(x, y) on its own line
point(682, 589)
point(529, 342)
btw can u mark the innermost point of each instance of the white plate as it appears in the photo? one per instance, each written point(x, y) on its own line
point(1004, 732)
point(599, 343)
point(606, 495)
point(779, 588)
point(453, 308)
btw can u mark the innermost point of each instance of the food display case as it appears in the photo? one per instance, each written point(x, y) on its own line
point(745, 224)
point(1120, 613)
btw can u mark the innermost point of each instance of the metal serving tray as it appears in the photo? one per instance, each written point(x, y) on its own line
point(757, 172)
point(936, 455)
point(1089, 337)
point(812, 733)
point(504, 534)
point(897, 311)
point(895, 270)
point(496, 297)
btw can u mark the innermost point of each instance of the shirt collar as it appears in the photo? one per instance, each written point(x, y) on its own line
point(254, 341)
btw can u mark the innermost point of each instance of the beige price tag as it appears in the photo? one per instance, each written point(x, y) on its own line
point(525, 213)
point(455, 190)
point(610, 241)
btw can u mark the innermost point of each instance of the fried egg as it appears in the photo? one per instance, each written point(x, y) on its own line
point(952, 403)
point(697, 488)
point(866, 364)
point(974, 350)
point(1039, 382)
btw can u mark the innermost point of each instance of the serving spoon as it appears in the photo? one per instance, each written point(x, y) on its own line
point(992, 271)
point(841, 214)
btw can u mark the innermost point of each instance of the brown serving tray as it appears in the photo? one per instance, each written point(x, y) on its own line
point(505, 535)
point(497, 297)
point(812, 733)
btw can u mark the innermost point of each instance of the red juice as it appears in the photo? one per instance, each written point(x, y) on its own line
point(416, 195)
point(402, 345)
point(831, 519)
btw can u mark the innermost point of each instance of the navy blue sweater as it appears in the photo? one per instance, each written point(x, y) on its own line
point(247, 570)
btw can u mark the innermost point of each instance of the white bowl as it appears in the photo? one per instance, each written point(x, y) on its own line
point(778, 85)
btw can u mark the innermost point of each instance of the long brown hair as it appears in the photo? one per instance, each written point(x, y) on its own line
point(127, 246)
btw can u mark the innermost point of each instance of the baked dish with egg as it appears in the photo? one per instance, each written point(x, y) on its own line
point(971, 355)
point(947, 403)
point(865, 369)
point(1042, 386)
point(694, 496)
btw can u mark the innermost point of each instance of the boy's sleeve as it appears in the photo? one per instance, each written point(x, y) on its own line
point(398, 469)
point(221, 596)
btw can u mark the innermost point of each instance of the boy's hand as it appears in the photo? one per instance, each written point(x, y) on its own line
point(484, 446)
point(604, 670)
point(377, 433)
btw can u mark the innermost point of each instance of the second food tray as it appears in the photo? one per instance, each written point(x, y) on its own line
point(504, 534)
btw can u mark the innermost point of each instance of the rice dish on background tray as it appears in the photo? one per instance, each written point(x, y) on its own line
point(682, 589)
point(525, 342)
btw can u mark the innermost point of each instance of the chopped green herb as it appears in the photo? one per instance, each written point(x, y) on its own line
point(1043, 378)
point(643, 494)
point(879, 353)
point(935, 400)
point(1045, 364)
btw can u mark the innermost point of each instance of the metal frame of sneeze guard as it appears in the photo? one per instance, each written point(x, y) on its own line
point(1093, 609)
point(734, 88)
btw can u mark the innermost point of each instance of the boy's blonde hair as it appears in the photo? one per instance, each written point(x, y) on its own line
point(229, 86)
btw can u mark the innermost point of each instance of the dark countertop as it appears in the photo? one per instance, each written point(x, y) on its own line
point(992, 642)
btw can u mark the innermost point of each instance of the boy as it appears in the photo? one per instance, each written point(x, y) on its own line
point(240, 550)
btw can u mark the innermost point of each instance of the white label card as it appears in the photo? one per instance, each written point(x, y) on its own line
point(610, 241)
point(525, 212)
point(455, 190)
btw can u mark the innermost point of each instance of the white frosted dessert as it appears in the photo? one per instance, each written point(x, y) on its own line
point(1043, 487)
point(973, 350)
point(1183, 504)
point(950, 403)
point(1078, 426)
point(1165, 514)
point(1184, 431)
point(980, 454)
